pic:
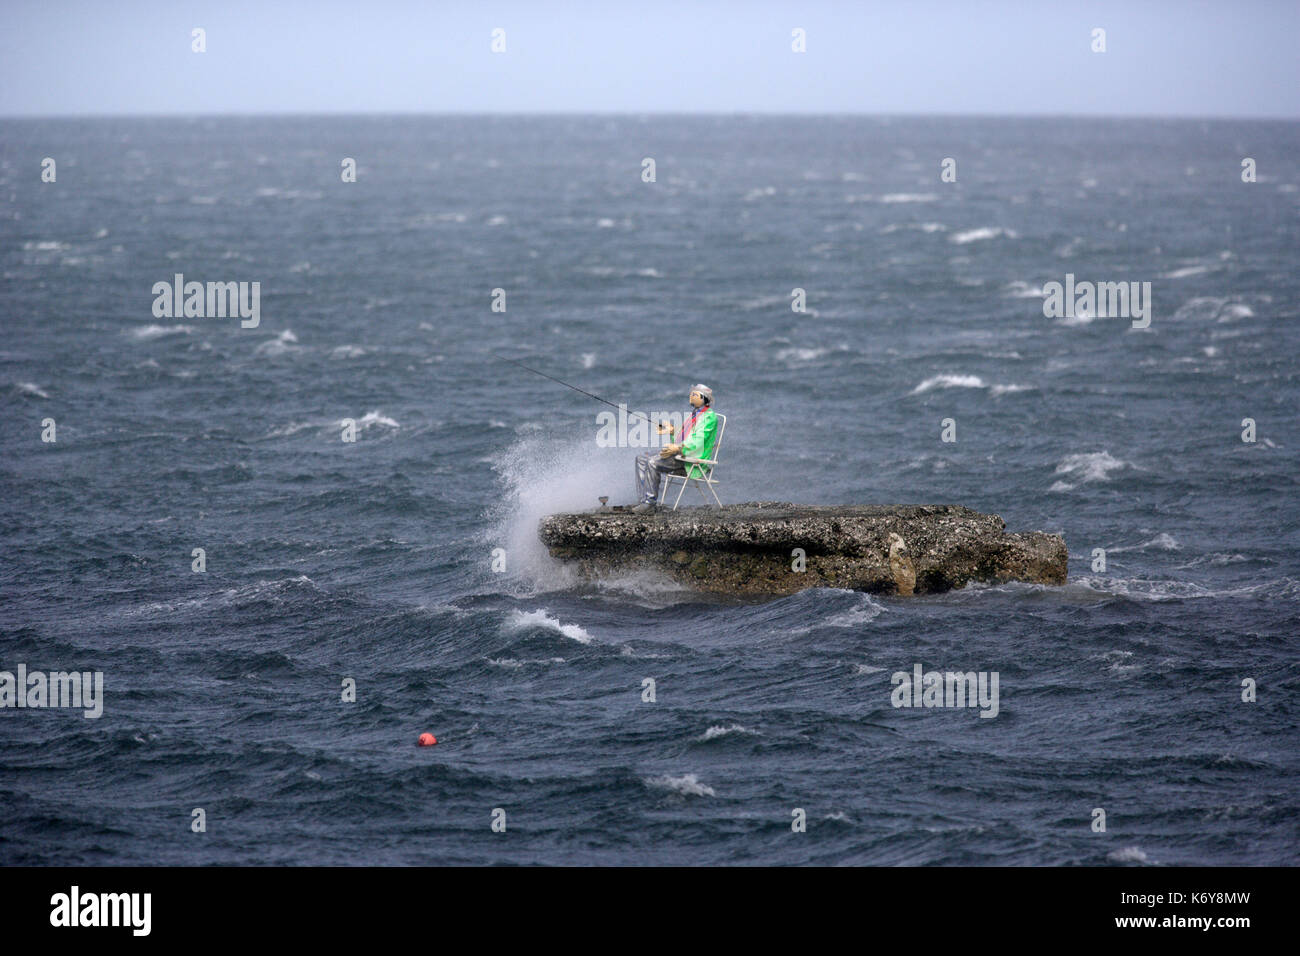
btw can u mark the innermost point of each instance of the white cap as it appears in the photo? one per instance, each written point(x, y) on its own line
point(705, 391)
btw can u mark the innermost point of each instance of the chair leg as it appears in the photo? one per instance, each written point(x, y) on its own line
point(698, 487)
point(715, 495)
point(679, 494)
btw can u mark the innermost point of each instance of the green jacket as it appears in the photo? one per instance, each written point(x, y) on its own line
point(700, 441)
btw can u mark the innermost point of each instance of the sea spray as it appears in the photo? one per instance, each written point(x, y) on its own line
point(544, 475)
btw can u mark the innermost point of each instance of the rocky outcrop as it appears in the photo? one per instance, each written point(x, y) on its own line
point(775, 548)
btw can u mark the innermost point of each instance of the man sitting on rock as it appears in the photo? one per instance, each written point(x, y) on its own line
point(699, 434)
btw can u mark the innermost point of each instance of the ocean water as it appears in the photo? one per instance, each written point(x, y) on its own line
point(372, 560)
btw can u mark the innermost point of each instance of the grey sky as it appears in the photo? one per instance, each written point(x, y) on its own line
point(1234, 59)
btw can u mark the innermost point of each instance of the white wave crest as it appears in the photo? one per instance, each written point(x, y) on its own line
point(1161, 542)
point(1140, 589)
point(980, 234)
point(158, 331)
point(1186, 271)
point(1212, 308)
point(30, 388)
point(949, 381)
point(687, 784)
point(282, 343)
point(1023, 290)
point(511, 663)
point(1091, 466)
point(718, 730)
point(926, 227)
point(866, 612)
point(376, 418)
point(522, 621)
point(1128, 854)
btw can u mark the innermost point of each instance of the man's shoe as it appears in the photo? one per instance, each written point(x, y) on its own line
point(645, 508)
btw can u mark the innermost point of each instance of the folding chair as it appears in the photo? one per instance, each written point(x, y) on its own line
point(706, 478)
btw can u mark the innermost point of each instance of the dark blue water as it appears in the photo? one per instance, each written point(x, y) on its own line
point(372, 560)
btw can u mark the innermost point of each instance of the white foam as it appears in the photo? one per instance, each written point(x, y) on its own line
point(908, 197)
point(290, 429)
point(764, 302)
point(1186, 271)
point(511, 663)
point(1009, 389)
point(647, 588)
point(1161, 542)
point(30, 388)
point(546, 475)
point(1023, 290)
point(1140, 589)
point(521, 621)
point(588, 359)
point(1128, 854)
point(347, 351)
point(802, 355)
point(375, 418)
point(158, 331)
point(687, 784)
point(1217, 559)
point(980, 234)
point(1090, 466)
point(282, 343)
point(1214, 308)
point(866, 611)
point(926, 227)
point(949, 381)
point(716, 731)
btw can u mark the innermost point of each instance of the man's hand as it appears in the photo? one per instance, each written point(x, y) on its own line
point(666, 428)
point(669, 450)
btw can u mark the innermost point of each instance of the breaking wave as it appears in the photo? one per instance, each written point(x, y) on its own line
point(528, 620)
point(687, 785)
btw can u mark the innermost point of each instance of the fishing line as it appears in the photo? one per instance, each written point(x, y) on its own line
point(575, 388)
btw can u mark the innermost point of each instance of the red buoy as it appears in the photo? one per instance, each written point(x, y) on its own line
point(427, 740)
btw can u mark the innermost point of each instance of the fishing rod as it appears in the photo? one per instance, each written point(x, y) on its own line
point(575, 388)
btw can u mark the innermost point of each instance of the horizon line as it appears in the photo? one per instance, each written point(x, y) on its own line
point(539, 114)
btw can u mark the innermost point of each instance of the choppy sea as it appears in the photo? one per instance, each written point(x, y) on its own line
point(371, 562)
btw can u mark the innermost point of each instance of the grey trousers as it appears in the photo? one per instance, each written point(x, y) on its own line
point(650, 469)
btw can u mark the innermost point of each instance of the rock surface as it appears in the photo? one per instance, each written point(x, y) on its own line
point(749, 549)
